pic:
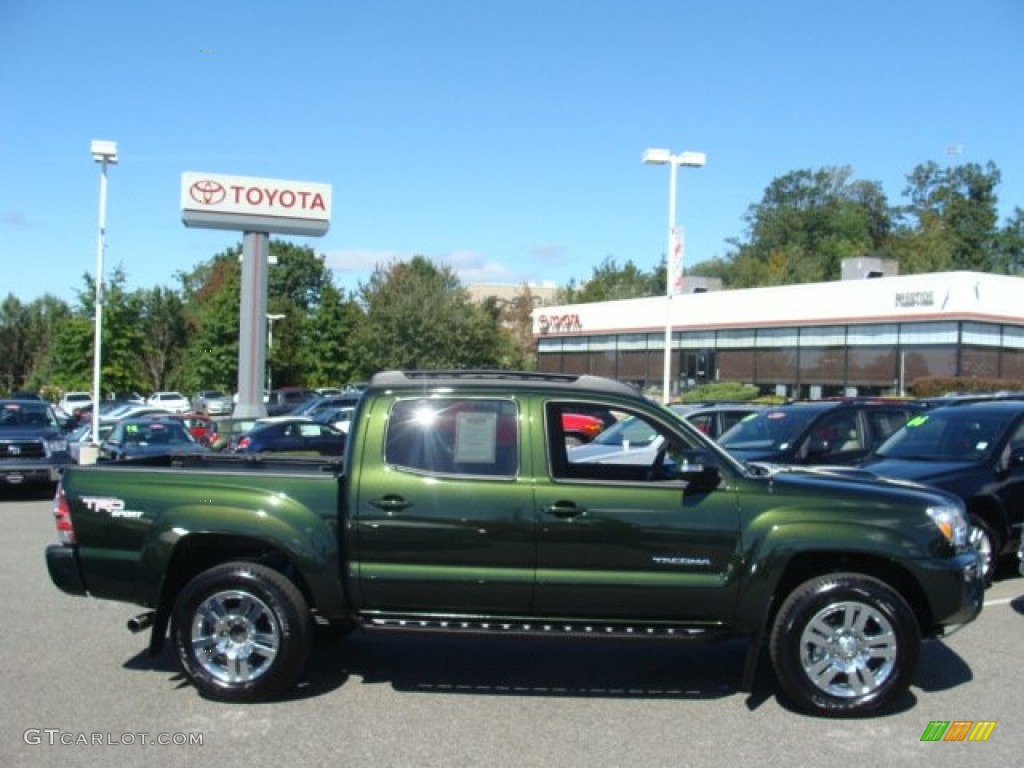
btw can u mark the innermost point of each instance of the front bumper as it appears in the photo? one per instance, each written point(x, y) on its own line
point(62, 563)
point(954, 588)
point(17, 474)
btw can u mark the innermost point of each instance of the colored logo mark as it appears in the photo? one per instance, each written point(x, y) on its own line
point(958, 730)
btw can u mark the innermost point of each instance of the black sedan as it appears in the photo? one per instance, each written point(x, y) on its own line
point(135, 438)
point(293, 436)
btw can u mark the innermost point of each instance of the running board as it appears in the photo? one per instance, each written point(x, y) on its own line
point(559, 627)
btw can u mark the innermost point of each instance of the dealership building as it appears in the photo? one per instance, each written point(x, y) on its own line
point(867, 334)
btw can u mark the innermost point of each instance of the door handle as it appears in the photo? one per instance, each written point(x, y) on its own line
point(564, 510)
point(390, 503)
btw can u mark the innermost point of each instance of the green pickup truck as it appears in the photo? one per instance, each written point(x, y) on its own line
point(459, 506)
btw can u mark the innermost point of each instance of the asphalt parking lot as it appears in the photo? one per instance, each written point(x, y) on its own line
point(79, 689)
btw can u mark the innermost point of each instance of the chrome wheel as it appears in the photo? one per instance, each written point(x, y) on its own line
point(979, 537)
point(235, 636)
point(848, 649)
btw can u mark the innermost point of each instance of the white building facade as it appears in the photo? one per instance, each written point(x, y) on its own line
point(864, 336)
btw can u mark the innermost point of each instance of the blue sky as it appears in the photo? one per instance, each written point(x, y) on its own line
point(502, 139)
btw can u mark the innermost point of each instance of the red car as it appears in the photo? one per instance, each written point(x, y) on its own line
point(198, 425)
point(580, 428)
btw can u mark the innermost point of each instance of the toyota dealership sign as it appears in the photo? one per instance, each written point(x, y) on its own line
point(216, 201)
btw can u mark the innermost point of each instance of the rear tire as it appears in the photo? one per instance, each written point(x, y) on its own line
point(844, 644)
point(241, 632)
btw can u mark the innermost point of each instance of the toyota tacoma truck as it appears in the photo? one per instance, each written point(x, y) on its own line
point(457, 507)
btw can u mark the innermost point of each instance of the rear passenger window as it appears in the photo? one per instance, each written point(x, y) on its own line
point(454, 436)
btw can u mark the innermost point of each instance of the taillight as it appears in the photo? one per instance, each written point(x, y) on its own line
point(243, 443)
point(62, 513)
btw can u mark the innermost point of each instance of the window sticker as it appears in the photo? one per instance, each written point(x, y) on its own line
point(476, 437)
point(917, 421)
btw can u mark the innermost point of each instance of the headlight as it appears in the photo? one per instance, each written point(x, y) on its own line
point(57, 446)
point(952, 522)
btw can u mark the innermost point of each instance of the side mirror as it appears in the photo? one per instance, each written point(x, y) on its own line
point(699, 470)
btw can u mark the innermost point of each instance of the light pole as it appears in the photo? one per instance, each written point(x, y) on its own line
point(270, 344)
point(690, 160)
point(105, 153)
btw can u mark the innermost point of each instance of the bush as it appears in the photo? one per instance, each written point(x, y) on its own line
point(936, 386)
point(721, 390)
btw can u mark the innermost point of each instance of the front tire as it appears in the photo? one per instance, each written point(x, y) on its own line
point(844, 644)
point(241, 632)
point(981, 536)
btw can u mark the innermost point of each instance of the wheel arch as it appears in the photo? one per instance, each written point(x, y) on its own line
point(198, 552)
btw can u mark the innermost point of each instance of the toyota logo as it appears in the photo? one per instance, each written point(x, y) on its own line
point(207, 192)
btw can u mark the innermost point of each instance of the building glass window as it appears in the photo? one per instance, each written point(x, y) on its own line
point(777, 337)
point(1012, 364)
point(736, 365)
point(1013, 338)
point(736, 339)
point(823, 366)
point(928, 333)
point(823, 336)
point(919, 362)
point(872, 335)
point(981, 334)
point(632, 366)
point(776, 366)
point(981, 362)
point(872, 366)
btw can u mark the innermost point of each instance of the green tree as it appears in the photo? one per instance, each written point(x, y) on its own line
point(417, 315)
point(122, 339)
point(326, 357)
point(211, 302)
point(806, 223)
point(162, 326)
point(611, 282)
point(954, 210)
point(1011, 245)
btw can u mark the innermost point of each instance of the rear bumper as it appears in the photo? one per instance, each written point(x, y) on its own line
point(62, 563)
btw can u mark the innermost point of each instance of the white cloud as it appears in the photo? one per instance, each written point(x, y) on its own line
point(357, 264)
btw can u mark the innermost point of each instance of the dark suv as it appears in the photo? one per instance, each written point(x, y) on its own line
point(33, 443)
point(818, 432)
point(974, 450)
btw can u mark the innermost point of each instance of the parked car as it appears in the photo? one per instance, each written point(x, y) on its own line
point(212, 402)
point(33, 443)
point(286, 399)
point(580, 428)
point(293, 436)
point(314, 405)
point(225, 433)
point(836, 432)
point(715, 419)
point(327, 391)
point(82, 435)
point(974, 450)
point(339, 417)
point(149, 436)
point(175, 402)
point(199, 425)
point(72, 402)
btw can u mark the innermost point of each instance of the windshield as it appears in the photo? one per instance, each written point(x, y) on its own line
point(947, 434)
point(16, 414)
point(772, 429)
